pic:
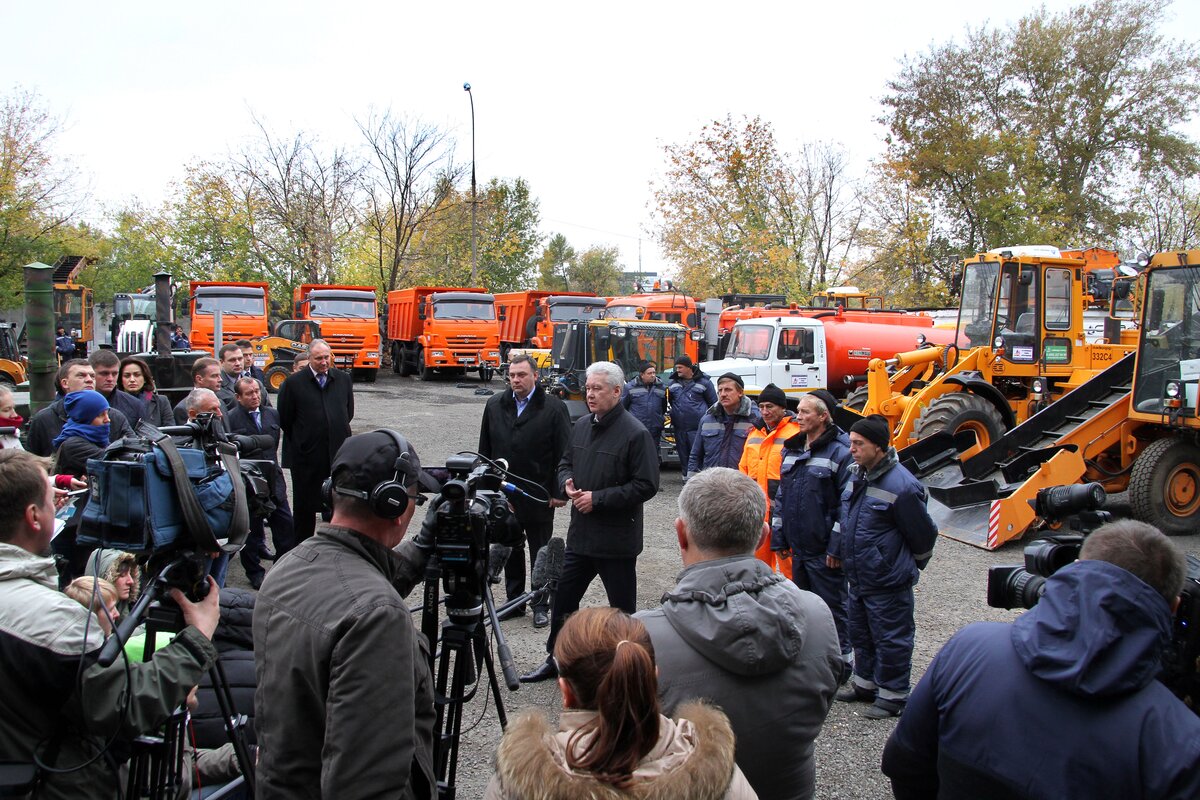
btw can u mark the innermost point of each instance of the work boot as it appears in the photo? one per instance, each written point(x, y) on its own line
point(883, 709)
point(856, 694)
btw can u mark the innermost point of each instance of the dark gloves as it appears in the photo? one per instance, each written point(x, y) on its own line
point(425, 539)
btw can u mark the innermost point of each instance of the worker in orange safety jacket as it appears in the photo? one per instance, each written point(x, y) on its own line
point(762, 456)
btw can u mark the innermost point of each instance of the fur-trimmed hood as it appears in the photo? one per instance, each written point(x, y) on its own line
point(693, 758)
point(107, 564)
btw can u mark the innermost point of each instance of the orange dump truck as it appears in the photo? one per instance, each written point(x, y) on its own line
point(243, 308)
point(528, 319)
point(349, 320)
point(435, 329)
point(663, 307)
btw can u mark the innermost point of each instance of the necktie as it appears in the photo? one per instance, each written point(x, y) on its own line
point(257, 420)
point(321, 378)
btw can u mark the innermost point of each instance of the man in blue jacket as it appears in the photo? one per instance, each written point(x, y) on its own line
point(1062, 702)
point(691, 393)
point(814, 473)
point(724, 427)
point(645, 397)
point(883, 537)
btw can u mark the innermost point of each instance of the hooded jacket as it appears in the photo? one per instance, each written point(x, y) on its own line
point(647, 403)
point(1061, 703)
point(763, 454)
point(44, 638)
point(49, 422)
point(107, 564)
point(811, 481)
point(722, 436)
point(693, 758)
point(884, 534)
point(751, 642)
point(689, 399)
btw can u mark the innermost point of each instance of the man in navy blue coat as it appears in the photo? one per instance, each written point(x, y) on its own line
point(1063, 702)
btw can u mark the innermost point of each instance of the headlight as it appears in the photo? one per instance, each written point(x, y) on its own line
point(373, 354)
point(439, 353)
point(697, 335)
point(618, 332)
point(1039, 387)
point(493, 354)
point(1174, 389)
point(999, 343)
point(921, 340)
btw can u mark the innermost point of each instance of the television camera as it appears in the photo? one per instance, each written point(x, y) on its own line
point(1012, 586)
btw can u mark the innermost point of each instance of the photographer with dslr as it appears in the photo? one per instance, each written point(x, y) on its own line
point(58, 706)
point(1063, 702)
point(344, 705)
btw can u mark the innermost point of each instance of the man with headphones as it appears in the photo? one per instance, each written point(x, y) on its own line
point(344, 704)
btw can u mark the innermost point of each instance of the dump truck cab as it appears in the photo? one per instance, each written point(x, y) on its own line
point(663, 307)
point(243, 309)
point(848, 297)
point(349, 322)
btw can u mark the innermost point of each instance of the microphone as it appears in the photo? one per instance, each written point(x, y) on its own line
point(497, 556)
point(548, 566)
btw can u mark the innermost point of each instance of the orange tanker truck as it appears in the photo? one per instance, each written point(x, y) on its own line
point(243, 308)
point(349, 320)
point(529, 319)
point(434, 329)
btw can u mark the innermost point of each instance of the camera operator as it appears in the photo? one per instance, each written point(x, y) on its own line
point(57, 704)
point(344, 705)
point(1063, 702)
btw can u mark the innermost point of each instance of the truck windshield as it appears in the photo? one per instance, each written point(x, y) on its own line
point(975, 311)
point(564, 312)
point(750, 341)
point(1170, 346)
point(68, 308)
point(463, 309)
point(134, 307)
point(232, 304)
point(621, 312)
point(660, 346)
point(342, 307)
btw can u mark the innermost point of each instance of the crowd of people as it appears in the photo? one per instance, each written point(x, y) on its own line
point(800, 544)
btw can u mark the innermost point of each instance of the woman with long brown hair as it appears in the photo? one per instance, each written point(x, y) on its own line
point(137, 380)
point(612, 741)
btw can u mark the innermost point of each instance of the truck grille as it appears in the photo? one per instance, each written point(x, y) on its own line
point(466, 341)
point(344, 344)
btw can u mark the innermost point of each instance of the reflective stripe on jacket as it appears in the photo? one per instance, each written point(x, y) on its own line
point(722, 436)
point(763, 455)
point(810, 491)
point(689, 399)
point(647, 403)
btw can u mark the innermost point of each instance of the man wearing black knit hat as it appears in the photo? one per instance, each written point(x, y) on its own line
point(724, 427)
point(883, 538)
point(690, 393)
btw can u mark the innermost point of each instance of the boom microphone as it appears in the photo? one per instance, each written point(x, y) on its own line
point(497, 556)
point(548, 566)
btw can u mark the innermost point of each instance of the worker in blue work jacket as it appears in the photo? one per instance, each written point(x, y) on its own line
point(690, 393)
point(812, 476)
point(721, 437)
point(645, 397)
point(883, 537)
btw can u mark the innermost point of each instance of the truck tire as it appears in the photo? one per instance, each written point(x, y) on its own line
point(486, 374)
point(1164, 486)
point(425, 372)
point(399, 359)
point(856, 400)
point(961, 411)
point(274, 377)
point(368, 375)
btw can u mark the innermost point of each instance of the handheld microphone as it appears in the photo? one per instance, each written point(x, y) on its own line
point(548, 566)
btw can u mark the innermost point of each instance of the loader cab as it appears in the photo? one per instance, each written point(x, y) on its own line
point(1168, 366)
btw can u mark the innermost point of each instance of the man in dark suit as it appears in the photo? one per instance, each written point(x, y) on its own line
point(316, 405)
point(529, 428)
point(250, 419)
point(206, 374)
point(233, 367)
point(250, 369)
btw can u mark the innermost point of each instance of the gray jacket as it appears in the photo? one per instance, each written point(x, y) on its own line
point(764, 651)
point(344, 705)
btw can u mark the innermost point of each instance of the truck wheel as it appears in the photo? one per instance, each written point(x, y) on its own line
point(486, 374)
point(426, 372)
point(856, 400)
point(962, 411)
point(399, 362)
point(367, 375)
point(274, 377)
point(1164, 486)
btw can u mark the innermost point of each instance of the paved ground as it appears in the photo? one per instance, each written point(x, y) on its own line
point(442, 418)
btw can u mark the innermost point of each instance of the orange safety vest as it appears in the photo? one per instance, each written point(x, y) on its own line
point(760, 460)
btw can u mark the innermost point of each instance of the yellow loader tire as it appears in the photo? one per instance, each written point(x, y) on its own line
point(856, 400)
point(274, 377)
point(1164, 486)
point(961, 411)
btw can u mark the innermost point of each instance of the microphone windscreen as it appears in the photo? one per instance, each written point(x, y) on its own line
point(548, 566)
point(497, 556)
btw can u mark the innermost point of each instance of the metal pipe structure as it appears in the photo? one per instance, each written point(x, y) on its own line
point(474, 203)
point(39, 334)
point(164, 362)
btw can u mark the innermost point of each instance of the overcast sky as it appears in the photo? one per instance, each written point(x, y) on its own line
point(577, 102)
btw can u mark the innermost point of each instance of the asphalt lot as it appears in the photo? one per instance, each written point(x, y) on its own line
point(442, 417)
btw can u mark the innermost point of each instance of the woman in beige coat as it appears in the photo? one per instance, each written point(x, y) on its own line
point(611, 740)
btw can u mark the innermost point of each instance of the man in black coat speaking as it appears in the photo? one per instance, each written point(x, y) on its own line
point(529, 429)
point(315, 405)
point(609, 470)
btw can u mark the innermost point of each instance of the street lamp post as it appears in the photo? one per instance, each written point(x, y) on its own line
point(474, 255)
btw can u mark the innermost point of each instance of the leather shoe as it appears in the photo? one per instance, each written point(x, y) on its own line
point(540, 618)
point(854, 694)
point(265, 555)
point(545, 671)
point(883, 709)
point(256, 581)
point(512, 613)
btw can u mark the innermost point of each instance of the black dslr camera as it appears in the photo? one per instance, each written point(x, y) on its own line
point(1021, 587)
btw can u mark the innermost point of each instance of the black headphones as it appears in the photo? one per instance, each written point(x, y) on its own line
point(389, 498)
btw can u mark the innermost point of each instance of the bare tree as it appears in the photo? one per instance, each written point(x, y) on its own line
point(300, 203)
point(412, 175)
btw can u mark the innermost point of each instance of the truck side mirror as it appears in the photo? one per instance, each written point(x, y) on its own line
point(421, 309)
point(503, 314)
